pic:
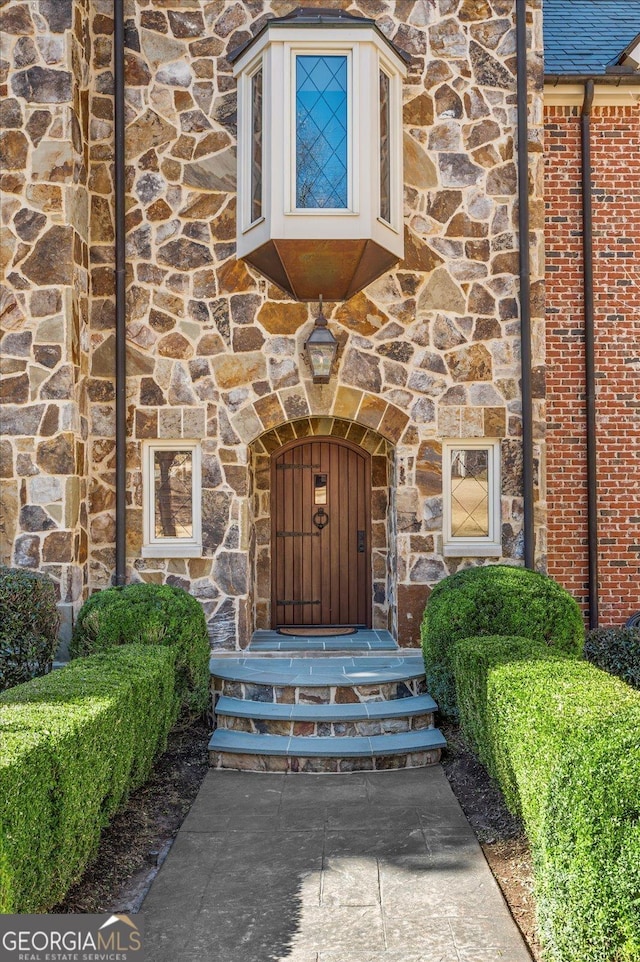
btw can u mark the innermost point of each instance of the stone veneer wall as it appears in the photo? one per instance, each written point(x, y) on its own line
point(44, 123)
point(430, 350)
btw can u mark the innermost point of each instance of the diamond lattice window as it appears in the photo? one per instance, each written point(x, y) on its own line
point(319, 152)
point(471, 492)
point(321, 132)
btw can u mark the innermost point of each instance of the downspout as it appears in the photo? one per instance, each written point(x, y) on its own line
point(525, 284)
point(120, 282)
point(589, 352)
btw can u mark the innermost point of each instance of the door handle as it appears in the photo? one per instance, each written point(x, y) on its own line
point(361, 539)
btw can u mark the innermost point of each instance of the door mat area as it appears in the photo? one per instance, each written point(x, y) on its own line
point(323, 632)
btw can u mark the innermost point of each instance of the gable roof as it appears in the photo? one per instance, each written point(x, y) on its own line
point(584, 37)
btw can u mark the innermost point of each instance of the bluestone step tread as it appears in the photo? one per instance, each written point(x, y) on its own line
point(309, 672)
point(363, 640)
point(320, 644)
point(361, 711)
point(306, 746)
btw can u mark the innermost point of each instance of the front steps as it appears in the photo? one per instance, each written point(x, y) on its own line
point(282, 709)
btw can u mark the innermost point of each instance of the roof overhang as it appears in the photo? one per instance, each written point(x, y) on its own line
point(630, 56)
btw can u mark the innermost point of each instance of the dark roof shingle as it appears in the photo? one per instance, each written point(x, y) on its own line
point(584, 36)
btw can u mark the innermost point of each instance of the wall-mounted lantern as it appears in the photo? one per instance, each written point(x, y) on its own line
point(320, 152)
point(321, 347)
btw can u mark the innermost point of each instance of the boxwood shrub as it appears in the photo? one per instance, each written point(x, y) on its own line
point(28, 625)
point(493, 600)
point(617, 650)
point(146, 614)
point(72, 745)
point(563, 740)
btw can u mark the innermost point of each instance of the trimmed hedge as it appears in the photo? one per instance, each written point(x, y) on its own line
point(28, 626)
point(616, 650)
point(146, 614)
point(493, 600)
point(562, 738)
point(72, 746)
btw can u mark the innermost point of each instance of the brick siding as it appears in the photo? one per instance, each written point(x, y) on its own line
point(616, 222)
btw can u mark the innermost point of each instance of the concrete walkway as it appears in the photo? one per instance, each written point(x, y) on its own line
point(367, 867)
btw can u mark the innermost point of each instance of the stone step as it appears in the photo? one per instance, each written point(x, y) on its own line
point(248, 654)
point(338, 720)
point(362, 710)
point(319, 672)
point(243, 708)
point(361, 641)
point(253, 752)
point(319, 693)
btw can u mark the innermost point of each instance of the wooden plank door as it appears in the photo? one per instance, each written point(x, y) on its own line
point(320, 543)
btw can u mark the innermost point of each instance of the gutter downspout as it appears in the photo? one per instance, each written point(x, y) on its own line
point(525, 284)
point(589, 352)
point(120, 284)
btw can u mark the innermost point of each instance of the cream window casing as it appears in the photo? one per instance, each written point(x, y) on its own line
point(466, 509)
point(185, 502)
point(281, 218)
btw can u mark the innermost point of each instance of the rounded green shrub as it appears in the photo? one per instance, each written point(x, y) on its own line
point(494, 600)
point(28, 626)
point(150, 615)
point(616, 650)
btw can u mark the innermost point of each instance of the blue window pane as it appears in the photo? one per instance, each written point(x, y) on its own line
point(321, 132)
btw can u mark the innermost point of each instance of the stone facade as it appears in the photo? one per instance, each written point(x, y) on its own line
point(428, 351)
point(44, 302)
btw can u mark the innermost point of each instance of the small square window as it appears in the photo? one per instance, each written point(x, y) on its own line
point(471, 490)
point(171, 491)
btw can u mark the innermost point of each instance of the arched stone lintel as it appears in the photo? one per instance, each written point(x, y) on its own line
point(351, 406)
point(327, 426)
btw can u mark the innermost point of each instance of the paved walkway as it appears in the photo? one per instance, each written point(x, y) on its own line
point(368, 867)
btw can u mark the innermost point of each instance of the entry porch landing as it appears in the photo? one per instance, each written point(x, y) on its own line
point(338, 703)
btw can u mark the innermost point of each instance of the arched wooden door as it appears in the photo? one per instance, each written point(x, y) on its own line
point(320, 534)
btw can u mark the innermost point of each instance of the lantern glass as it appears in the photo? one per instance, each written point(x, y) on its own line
point(321, 350)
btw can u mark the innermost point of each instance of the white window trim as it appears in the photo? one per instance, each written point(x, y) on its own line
point(491, 545)
point(396, 173)
point(244, 166)
point(153, 547)
point(327, 49)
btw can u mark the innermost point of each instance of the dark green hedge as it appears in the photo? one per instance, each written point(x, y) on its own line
point(72, 745)
point(616, 650)
point(28, 626)
point(145, 614)
point(562, 738)
point(494, 600)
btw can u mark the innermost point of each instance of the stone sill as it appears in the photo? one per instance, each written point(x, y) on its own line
point(472, 551)
point(171, 551)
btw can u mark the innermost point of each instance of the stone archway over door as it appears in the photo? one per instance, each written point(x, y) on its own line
point(321, 541)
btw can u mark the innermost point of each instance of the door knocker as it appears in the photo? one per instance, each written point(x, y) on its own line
point(321, 519)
